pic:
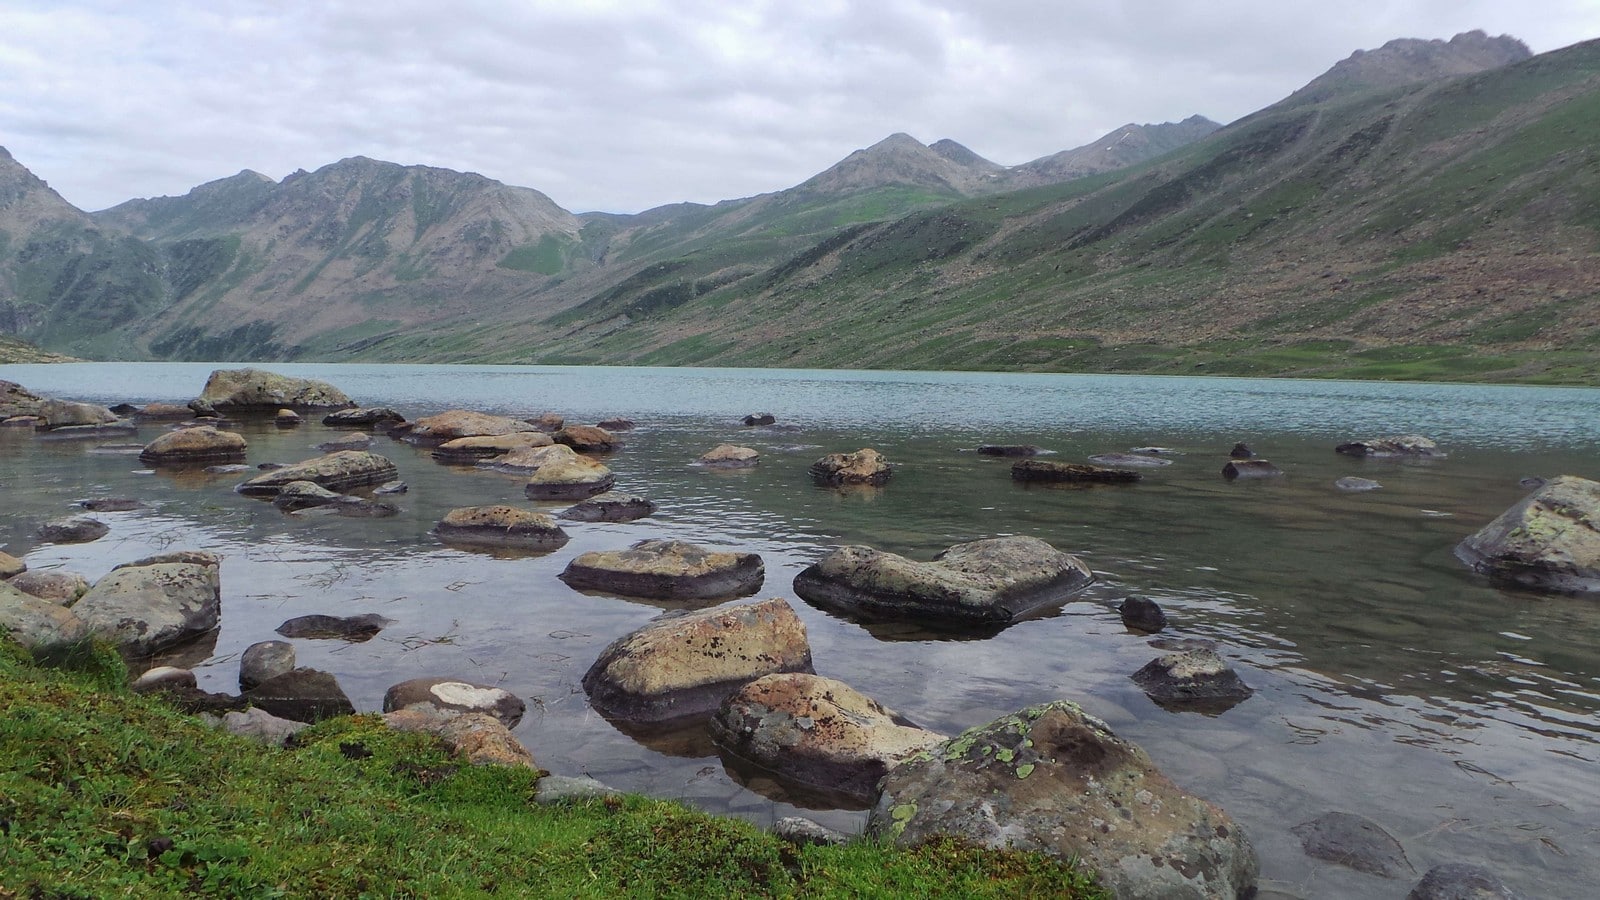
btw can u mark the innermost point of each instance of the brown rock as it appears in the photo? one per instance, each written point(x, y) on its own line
point(666, 570)
point(587, 439)
point(500, 527)
point(336, 471)
point(163, 412)
point(548, 422)
point(431, 431)
point(615, 424)
point(470, 450)
point(727, 456)
point(258, 390)
point(204, 444)
point(865, 466)
point(10, 566)
point(480, 738)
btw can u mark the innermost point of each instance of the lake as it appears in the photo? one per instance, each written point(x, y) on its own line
point(1390, 681)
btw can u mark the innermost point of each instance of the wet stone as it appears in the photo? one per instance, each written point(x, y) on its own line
point(1351, 840)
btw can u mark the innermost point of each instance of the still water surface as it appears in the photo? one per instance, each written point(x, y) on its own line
point(1391, 682)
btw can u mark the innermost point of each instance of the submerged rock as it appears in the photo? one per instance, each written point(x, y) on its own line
point(1351, 840)
point(1458, 881)
point(358, 440)
point(728, 456)
point(1053, 779)
point(1395, 445)
point(1353, 485)
point(1549, 540)
point(1009, 450)
point(684, 665)
point(73, 530)
point(1129, 459)
point(667, 570)
point(500, 527)
point(865, 466)
point(1241, 450)
point(816, 731)
point(1142, 614)
point(1030, 470)
point(111, 504)
point(336, 471)
point(1198, 680)
point(355, 629)
point(1250, 468)
point(258, 390)
point(609, 507)
point(757, 419)
point(992, 581)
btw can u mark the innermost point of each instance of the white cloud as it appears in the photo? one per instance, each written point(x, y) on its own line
point(626, 105)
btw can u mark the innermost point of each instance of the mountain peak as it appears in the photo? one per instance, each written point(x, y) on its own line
point(1406, 61)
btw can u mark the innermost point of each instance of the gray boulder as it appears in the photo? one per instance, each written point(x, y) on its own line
point(36, 624)
point(1198, 680)
point(264, 660)
point(73, 530)
point(992, 581)
point(256, 390)
point(259, 725)
point(609, 507)
point(666, 570)
point(1549, 540)
point(1054, 779)
point(60, 588)
point(500, 528)
point(684, 665)
point(340, 471)
point(190, 446)
point(67, 413)
point(453, 695)
point(147, 608)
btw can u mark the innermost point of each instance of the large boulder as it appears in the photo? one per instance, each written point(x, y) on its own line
point(301, 695)
point(817, 731)
point(684, 665)
point(992, 581)
point(569, 477)
point(431, 431)
point(58, 587)
point(454, 695)
point(587, 439)
point(865, 466)
point(186, 446)
point(335, 471)
point(1041, 470)
point(65, 413)
point(36, 624)
point(256, 390)
point(16, 400)
point(500, 527)
point(666, 570)
point(1548, 540)
point(1394, 445)
point(1055, 779)
point(609, 507)
point(147, 608)
point(471, 450)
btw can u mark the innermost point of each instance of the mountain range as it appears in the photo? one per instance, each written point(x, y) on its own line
point(1423, 209)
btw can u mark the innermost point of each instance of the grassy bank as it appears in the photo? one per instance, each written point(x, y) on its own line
point(104, 793)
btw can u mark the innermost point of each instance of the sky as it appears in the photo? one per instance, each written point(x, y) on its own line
point(623, 105)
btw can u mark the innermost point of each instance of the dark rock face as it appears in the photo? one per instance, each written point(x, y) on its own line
point(682, 666)
point(1241, 450)
point(1196, 680)
point(356, 629)
point(1353, 485)
point(1142, 614)
point(615, 425)
point(610, 507)
point(667, 570)
point(991, 582)
point(73, 530)
point(264, 660)
point(1395, 445)
point(336, 471)
point(1457, 881)
point(302, 695)
point(1054, 779)
point(1549, 540)
point(1038, 470)
point(1009, 450)
point(1350, 840)
point(453, 695)
point(756, 419)
point(1250, 468)
point(865, 466)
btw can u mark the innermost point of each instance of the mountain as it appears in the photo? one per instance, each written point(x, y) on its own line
point(1409, 61)
point(901, 159)
point(1128, 145)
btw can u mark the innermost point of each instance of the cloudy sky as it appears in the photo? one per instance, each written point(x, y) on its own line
point(622, 105)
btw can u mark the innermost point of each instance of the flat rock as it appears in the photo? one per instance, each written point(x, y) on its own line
point(865, 466)
point(257, 390)
point(301, 695)
point(684, 665)
point(377, 418)
point(1350, 484)
point(147, 608)
point(68, 413)
point(1351, 840)
point(263, 661)
point(162, 412)
point(728, 456)
point(609, 507)
point(1198, 680)
point(1123, 460)
point(1237, 469)
point(260, 725)
point(357, 440)
point(304, 495)
point(111, 504)
point(816, 731)
point(1009, 450)
point(39, 625)
point(1459, 881)
point(1394, 445)
point(60, 588)
point(1053, 779)
point(73, 530)
point(667, 570)
point(336, 471)
point(500, 527)
point(356, 629)
point(1039, 470)
point(454, 695)
point(992, 581)
point(431, 431)
point(587, 439)
point(471, 450)
point(1548, 540)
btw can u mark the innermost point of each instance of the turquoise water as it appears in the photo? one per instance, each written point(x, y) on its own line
point(1391, 682)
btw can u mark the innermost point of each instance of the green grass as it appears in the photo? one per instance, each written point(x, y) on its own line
point(103, 794)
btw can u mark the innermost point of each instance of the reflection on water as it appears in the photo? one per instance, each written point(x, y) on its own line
point(1390, 681)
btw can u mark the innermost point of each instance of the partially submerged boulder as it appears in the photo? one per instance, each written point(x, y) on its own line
point(569, 477)
point(728, 456)
point(264, 660)
point(1142, 614)
point(287, 418)
point(865, 466)
point(335, 471)
point(191, 446)
point(301, 695)
point(257, 390)
point(1057, 780)
point(1049, 472)
point(994, 581)
point(1247, 469)
point(1548, 540)
point(587, 439)
point(377, 418)
point(73, 530)
point(147, 608)
point(609, 507)
point(431, 431)
point(684, 665)
point(471, 450)
point(69, 413)
point(1395, 445)
point(666, 570)
point(500, 527)
point(1197, 680)
point(356, 629)
point(757, 419)
point(356, 440)
point(817, 731)
point(454, 695)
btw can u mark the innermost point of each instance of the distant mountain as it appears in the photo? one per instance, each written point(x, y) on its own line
point(1124, 147)
point(27, 203)
point(1408, 61)
point(901, 159)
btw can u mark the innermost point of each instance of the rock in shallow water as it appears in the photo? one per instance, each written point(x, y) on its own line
point(1395, 445)
point(1548, 540)
point(500, 527)
point(1038, 470)
point(73, 530)
point(1353, 841)
point(202, 444)
point(667, 570)
point(1198, 680)
point(1246, 469)
point(1142, 614)
point(454, 695)
point(1458, 881)
point(609, 507)
point(865, 466)
point(336, 471)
